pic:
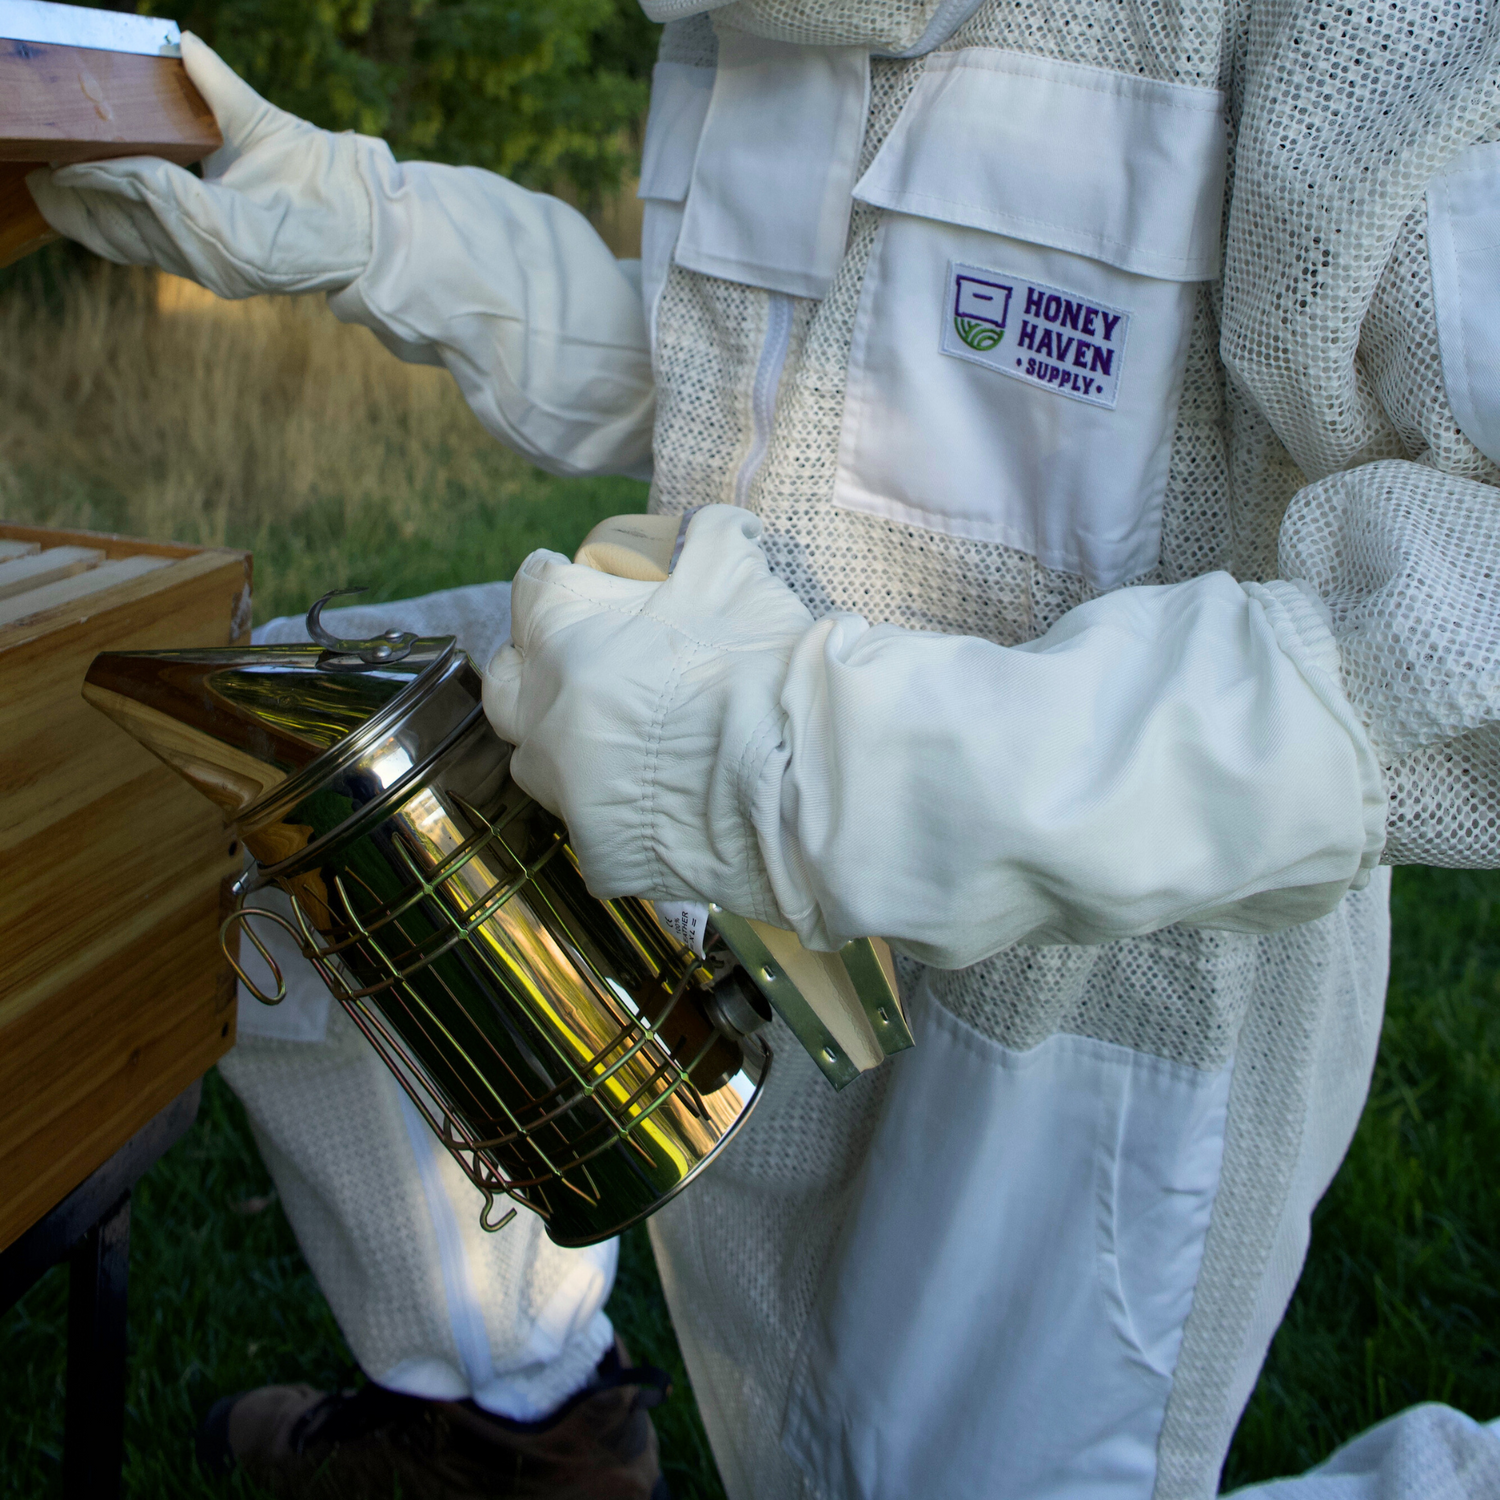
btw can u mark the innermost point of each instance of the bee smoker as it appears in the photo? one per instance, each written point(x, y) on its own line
point(574, 1055)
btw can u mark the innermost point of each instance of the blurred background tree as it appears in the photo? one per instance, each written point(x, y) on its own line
point(548, 92)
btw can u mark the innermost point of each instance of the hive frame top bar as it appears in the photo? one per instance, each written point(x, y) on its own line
point(76, 26)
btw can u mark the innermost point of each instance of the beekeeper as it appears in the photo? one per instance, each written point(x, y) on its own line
point(1097, 414)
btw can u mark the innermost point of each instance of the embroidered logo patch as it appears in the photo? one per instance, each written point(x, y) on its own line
point(1063, 341)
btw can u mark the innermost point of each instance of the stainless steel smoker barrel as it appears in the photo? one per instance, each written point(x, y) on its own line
point(571, 1053)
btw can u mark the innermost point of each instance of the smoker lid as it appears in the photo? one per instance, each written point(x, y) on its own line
point(241, 723)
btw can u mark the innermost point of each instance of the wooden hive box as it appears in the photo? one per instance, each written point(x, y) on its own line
point(114, 995)
point(90, 91)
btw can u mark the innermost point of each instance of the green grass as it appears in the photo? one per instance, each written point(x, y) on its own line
point(486, 535)
point(467, 533)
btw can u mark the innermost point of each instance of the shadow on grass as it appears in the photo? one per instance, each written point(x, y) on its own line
point(221, 1300)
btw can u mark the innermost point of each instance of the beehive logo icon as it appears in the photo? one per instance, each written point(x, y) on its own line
point(979, 311)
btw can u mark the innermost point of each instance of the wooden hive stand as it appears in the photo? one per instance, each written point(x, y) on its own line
point(114, 997)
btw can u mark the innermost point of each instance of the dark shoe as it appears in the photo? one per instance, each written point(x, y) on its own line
point(373, 1444)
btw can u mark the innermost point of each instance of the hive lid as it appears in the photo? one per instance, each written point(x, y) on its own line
point(239, 723)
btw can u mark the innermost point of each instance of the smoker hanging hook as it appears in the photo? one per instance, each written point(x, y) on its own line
point(376, 651)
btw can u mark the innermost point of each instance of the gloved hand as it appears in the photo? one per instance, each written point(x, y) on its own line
point(1181, 753)
point(644, 713)
point(281, 206)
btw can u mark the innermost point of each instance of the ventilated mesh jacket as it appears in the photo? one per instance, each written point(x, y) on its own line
point(1314, 441)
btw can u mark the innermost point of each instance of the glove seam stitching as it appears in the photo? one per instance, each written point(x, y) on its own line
point(164, 205)
point(160, 203)
point(659, 717)
point(356, 167)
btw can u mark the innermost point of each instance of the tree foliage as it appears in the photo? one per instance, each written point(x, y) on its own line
point(541, 90)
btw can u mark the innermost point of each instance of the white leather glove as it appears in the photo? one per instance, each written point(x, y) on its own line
point(1162, 755)
point(644, 713)
point(512, 291)
point(281, 206)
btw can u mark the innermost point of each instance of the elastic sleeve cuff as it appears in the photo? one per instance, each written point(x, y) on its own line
point(1302, 622)
point(1303, 627)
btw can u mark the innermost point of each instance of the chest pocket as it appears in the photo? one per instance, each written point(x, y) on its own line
point(748, 166)
point(1022, 330)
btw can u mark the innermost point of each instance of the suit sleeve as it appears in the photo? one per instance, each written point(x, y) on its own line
point(520, 299)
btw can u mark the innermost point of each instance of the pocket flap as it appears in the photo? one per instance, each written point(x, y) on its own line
point(1121, 169)
point(679, 104)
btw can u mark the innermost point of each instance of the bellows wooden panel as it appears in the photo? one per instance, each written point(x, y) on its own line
point(114, 995)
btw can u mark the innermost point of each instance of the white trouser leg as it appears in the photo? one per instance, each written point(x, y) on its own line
point(430, 1303)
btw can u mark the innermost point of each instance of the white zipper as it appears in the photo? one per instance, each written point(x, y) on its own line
point(763, 394)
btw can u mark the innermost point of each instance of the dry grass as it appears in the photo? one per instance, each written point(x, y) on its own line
point(199, 412)
point(140, 403)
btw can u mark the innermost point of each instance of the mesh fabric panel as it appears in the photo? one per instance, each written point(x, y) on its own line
point(1405, 559)
point(1398, 346)
point(1329, 325)
point(328, 1121)
point(1179, 994)
point(708, 339)
point(693, 42)
point(1445, 803)
point(1347, 115)
point(886, 25)
point(1174, 43)
point(1396, 550)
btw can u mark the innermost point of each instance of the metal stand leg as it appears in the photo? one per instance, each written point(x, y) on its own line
point(94, 1434)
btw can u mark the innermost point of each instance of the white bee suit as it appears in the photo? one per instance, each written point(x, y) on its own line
point(1106, 332)
point(1043, 1254)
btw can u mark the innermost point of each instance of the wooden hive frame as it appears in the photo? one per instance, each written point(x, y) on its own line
point(114, 995)
point(61, 104)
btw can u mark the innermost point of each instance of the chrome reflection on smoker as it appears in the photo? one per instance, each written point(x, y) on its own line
point(571, 1053)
